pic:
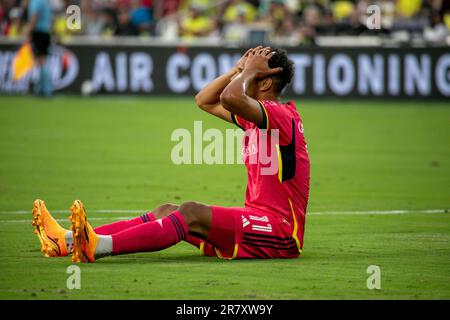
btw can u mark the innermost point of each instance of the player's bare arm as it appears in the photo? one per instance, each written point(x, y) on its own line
point(236, 99)
point(30, 26)
point(208, 99)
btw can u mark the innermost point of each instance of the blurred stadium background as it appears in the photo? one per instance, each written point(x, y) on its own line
point(375, 103)
point(287, 22)
point(172, 47)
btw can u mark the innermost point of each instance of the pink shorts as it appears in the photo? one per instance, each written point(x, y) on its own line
point(243, 233)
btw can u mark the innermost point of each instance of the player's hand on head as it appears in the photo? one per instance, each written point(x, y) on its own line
point(258, 62)
point(240, 64)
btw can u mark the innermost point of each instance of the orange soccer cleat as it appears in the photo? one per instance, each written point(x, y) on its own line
point(85, 240)
point(50, 234)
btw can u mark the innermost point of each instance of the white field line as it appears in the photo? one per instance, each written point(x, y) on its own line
point(67, 211)
point(335, 213)
point(65, 220)
point(380, 212)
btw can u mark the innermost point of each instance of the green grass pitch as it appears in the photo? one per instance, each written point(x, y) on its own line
point(114, 153)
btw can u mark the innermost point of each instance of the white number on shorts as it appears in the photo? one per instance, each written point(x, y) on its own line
point(263, 218)
point(265, 228)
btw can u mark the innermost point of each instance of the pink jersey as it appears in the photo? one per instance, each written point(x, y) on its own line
point(279, 186)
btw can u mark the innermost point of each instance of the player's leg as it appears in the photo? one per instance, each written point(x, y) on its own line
point(190, 217)
point(159, 212)
point(44, 74)
point(222, 236)
point(41, 44)
point(40, 66)
point(164, 211)
point(38, 84)
point(55, 240)
point(117, 226)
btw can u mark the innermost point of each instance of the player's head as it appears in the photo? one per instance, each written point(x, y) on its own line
point(275, 83)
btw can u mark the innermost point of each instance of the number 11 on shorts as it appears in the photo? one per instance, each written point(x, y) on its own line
point(265, 228)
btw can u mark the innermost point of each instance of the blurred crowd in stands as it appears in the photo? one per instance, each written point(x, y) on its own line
point(291, 22)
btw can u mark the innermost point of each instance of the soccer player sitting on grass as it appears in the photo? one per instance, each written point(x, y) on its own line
point(272, 222)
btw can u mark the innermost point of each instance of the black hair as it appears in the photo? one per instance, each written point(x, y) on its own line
point(282, 78)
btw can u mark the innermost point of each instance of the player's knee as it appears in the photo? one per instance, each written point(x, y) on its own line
point(164, 210)
point(168, 207)
point(190, 211)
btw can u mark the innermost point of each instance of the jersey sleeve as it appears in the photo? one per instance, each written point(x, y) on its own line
point(277, 117)
point(241, 122)
point(245, 124)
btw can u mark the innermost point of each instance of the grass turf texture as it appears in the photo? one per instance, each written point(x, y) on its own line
point(114, 153)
